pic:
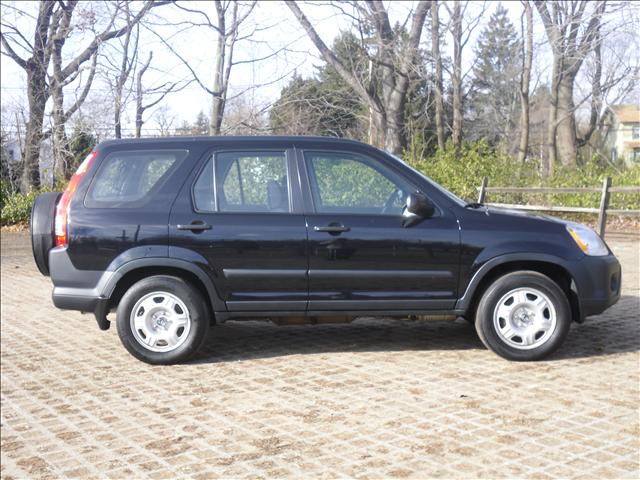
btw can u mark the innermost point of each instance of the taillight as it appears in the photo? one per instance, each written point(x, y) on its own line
point(62, 210)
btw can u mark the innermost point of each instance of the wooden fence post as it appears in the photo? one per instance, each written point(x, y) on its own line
point(482, 194)
point(604, 204)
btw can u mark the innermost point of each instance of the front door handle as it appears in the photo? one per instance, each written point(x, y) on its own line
point(332, 229)
point(195, 226)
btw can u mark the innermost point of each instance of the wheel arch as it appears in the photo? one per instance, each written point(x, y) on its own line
point(133, 271)
point(547, 265)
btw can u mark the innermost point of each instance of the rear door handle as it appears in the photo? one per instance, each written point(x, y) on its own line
point(332, 229)
point(195, 227)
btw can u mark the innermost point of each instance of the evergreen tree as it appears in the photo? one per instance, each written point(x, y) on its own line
point(81, 144)
point(494, 104)
point(324, 104)
point(199, 127)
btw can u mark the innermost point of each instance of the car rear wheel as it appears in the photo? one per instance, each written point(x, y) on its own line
point(162, 320)
point(523, 316)
point(41, 225)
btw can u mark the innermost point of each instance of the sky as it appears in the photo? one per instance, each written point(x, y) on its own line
point(278, 32)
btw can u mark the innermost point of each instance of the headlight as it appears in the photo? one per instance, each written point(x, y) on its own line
point(588, 240)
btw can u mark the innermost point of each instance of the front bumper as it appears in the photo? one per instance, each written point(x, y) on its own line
point(598, 282)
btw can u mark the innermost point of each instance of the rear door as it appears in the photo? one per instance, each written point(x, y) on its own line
point(241, 212)
point(360, 255)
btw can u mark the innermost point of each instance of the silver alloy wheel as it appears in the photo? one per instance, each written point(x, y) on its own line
point(160, 322)
point(524, 318)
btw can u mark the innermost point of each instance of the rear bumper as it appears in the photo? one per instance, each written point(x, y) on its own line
point(599, 281)
point(96, 305)
point(78, 289)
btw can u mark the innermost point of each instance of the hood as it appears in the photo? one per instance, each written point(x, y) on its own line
point(523, 213)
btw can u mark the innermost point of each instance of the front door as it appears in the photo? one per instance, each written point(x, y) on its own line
point(239, 213)
point(361, 258)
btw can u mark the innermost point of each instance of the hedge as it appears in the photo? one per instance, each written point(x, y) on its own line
point(462, 176)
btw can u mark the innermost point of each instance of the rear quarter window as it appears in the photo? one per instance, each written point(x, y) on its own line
point(129, 178)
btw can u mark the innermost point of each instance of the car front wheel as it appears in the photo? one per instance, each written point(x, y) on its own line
point(523, 316)
point(162, 320)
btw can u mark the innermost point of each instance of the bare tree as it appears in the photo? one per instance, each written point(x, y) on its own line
point(437, 85)
point(53, 26)
point(609, 75)
point(394, 59)
point(526, 23)
point(164, 119)
point(158, 93)
point(227, 23)
point(128, 61)
point(461, 33)
point(244, 117)
point(456, 75)
point(573, 31)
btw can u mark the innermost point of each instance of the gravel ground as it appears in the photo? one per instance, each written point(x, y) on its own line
point(373, 399)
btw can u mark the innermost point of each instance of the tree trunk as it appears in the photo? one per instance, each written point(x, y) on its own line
point(595, 117)
point(217, 103)
point(37, 94)
point(394, 136)
point(566, 141)
point(456, 78)
point(523, 148)
point(525, 80)
point(62, 164)
point(139, 94)
point(552, 156)
point(117, 114)
point(138, 118)
point(437, 60)
point(377, 127)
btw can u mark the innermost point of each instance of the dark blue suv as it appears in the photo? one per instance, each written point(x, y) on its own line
point(177, 234)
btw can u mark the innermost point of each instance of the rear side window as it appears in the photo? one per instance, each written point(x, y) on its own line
point(126, 179)
point(243, 182)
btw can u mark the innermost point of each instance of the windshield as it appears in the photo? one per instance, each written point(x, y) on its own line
point(435, 185)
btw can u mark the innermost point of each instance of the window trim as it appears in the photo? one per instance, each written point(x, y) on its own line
point(210, 155)
point(310, 174)
point(89, 202)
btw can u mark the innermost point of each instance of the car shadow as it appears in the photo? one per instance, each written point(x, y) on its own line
point(616, 331)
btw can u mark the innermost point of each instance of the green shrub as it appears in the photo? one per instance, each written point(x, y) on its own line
point(5, 191)
point(463, 177)
point(16, 207)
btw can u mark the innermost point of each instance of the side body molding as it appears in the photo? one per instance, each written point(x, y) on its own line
point(465, 300)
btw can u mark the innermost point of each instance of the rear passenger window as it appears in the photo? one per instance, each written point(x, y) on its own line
point(127, 178)
point(244, 182)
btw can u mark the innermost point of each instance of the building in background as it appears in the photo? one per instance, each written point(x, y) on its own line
point(622, 133)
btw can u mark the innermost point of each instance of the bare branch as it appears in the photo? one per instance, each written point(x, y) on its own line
point(328, 55)
point(108, 35)
point(9, 52)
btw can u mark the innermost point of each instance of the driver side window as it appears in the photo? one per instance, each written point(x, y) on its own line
point(348, 183)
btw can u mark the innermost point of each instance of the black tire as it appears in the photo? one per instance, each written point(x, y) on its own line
point(197, 311)
point(493, 340)
point(41, 225)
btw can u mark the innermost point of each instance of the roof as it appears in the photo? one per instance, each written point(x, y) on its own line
point(233, 139)
point(626, 113)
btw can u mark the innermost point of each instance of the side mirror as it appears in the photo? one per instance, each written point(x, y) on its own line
point(418, 207)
